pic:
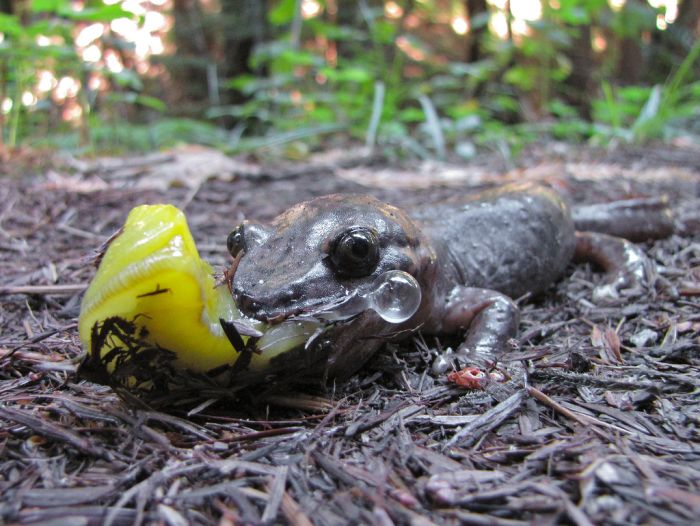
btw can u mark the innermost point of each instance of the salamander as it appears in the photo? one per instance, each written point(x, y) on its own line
point(472, 256)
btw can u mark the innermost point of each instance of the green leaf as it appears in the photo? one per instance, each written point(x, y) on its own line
point(607, 110)
point(241, 111)
point(9, 24)
point(128, 78)
point(561, 109)
point(40, 27)
point(650, 109)
point(411, 115)
point(571, 129)
point(49, 6)
point(349, 74)
point(463, 109)
point(293, 57)
point(322, 114)
point(479, 70)
point(131, 97)
point(506, 103)
point(244, 83)
point(105, 13)
point(383, 32)
point(521, 76)
point(636, 94)
point(575, 16)
point(694, 90)
point(282, 13)
point(151, 102)
point(335, 32)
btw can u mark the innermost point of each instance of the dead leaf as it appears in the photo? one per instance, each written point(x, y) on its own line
point(608, 343)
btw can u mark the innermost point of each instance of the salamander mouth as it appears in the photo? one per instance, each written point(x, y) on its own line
point(273, 315)
point(278, 306)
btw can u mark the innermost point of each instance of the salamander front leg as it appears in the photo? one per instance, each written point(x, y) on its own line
point(490, 319)
point(625, 263)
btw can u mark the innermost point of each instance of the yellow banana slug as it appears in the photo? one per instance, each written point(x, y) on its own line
point(152, 279)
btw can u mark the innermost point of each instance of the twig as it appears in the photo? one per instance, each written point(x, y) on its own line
point(478, 519)
point(275, 491)
point(55, 432)
point(265, 434)
point(690, 291)
point(546, 400)
point(577, 516)
point(582, 419)
point(60, 290)
point(293, 512)
point(491, 419)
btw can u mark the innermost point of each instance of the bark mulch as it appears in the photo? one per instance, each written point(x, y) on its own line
point(603, 429)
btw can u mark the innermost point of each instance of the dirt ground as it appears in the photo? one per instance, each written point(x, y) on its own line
point(603, 429)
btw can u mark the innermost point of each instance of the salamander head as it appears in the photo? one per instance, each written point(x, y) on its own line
point(319, 252)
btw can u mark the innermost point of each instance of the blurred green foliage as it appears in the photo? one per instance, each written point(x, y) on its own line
point(518, 93)
point(409, 91)
point(40, 36)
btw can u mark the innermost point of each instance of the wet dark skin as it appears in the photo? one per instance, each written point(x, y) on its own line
point(471, 255)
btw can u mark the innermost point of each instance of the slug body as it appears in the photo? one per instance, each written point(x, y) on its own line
point(470, 256)
point(151, 276)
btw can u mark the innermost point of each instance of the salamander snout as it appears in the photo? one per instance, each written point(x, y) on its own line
point(275, 306)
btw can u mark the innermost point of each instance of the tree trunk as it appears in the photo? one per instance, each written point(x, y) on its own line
point(188, 67)
point(476, 11)
point(348, 14)
point(5, 7)
point(244, 25)
point(631, 64)
point(689, 17)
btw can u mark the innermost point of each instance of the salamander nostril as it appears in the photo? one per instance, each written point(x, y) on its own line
point(288, 296)
point(236, 241)
point(245, 302)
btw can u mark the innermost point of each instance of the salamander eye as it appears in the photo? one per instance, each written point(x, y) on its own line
point(355, 252)
point(236, 241)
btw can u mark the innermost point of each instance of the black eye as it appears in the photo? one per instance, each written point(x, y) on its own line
point(355, 252)
point(236, 241)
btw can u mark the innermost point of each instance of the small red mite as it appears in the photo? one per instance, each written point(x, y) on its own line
point(469, 377)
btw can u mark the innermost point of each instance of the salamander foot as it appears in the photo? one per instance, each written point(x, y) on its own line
point(626, 265)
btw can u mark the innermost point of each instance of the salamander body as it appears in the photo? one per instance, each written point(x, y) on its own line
point(471, 255)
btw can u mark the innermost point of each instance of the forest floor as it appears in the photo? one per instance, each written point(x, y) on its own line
point(603, 431)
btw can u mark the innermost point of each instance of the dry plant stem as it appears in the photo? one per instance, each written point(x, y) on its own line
point(484, 423)
point(54, 432)
point(59, 290)
point(582, 419)
point(275, 490)
point(293, 512)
